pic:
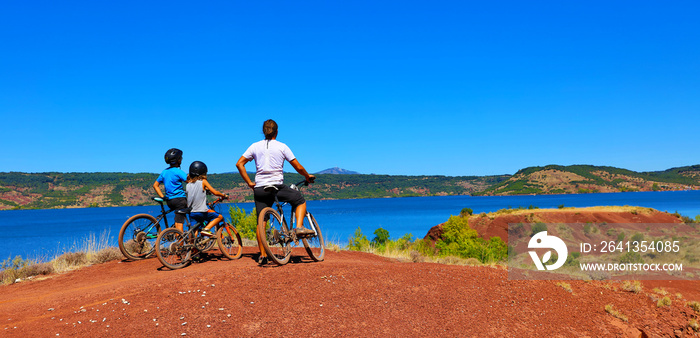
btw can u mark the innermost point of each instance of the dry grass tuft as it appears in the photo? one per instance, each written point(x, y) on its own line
point(24, 268)
point(693, 324)
point(660, 291)
point(565, 286)
point(107, 255)
point(416, 257)
point(632, 286)
point(333, 246)
point(694, 305)
point(609, 286)
point(666, 301)
point(70, 261)
point(90, 251)
point(617, 314)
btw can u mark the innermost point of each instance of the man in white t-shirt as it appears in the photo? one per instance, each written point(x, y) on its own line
point(269, 155)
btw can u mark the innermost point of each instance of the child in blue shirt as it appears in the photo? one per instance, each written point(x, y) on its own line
point(173, 179)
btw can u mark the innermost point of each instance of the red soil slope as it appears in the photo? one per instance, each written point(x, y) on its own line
point(350, 294)
point(494, 224)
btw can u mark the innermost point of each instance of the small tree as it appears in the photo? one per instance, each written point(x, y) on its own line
point(381, 236)
point(466, 212)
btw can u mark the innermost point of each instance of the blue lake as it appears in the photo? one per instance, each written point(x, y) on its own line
point(43, 234)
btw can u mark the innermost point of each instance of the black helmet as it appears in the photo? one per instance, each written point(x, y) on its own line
point(173, 156)
point(198, 168)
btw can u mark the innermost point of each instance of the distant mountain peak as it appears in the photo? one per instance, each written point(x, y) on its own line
point(338, 171)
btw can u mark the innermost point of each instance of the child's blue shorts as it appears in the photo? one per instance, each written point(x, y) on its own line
point(197, 217)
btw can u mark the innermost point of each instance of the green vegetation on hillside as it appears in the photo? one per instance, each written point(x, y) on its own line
point(458, 241)
point(60, 190)
point(55, 190)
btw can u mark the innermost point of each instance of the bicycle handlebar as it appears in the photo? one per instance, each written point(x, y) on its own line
point(218, 200)
point(305, 182)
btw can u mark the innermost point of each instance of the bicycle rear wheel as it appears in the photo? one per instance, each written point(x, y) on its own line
point(172, 249)
point(137, 237)
point(229, 241)
point(273, 235)
point(315, 245)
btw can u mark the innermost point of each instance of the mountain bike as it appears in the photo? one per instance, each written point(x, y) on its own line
point(176, 249)
point(277, 238)
point(138, 235)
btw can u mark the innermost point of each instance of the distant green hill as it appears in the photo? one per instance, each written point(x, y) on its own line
point(61, 190)
point(66, 190)
point(556, 179)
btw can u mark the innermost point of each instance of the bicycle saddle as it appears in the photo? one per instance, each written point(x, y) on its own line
point(270, 187)
point(183, 211)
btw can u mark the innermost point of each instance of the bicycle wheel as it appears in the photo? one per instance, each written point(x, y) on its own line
point(272, 233)
point(229, 241)
point(315, 245)
point(172, 249)
point(137, 237)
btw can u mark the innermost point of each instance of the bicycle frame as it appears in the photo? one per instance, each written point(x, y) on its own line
point(212, 205)
point(163, 213)
point(277, 238)
point(280, 210)
point(193, 230)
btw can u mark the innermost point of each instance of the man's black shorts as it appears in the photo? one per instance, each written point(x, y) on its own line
point(176, 204)
point(284, 194)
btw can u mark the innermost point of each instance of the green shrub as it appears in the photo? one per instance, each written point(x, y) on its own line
point(637, 237)
point(424, 247)
point(587, 229)
point(358, 241)
point(572, 259)
point(462, 241)
point(246, 224)
point(631, 257)
point(538, 227)
point(401, 244)
point(620, 236)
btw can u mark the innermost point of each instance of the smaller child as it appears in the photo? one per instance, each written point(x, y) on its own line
point(173, 179)
point(197, 185)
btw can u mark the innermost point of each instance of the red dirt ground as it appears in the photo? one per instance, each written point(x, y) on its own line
point(350, 294)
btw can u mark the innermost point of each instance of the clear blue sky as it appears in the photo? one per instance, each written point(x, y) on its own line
point(385, 87)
